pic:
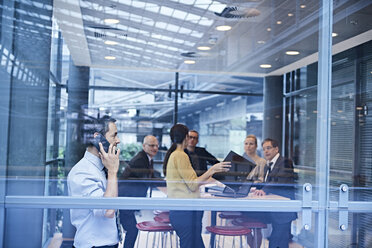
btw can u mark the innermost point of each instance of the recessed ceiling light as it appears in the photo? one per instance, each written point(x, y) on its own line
point(292, 52)
point(204, 48)
point(189, 62)
point(302, 6)
point(223, 28)
point(334, 34)
point(268, 29)
point(265, 66)
point(111, 21)
point(110, 57)
point(261, 42)
point(290, 14)
point(110, 42)
point(279, 22)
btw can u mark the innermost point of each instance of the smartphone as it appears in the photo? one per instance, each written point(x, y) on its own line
point(103, 140)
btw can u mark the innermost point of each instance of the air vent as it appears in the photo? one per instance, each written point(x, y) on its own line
point(100, 31)
point(196, 54)
point(238, 12)
point(190, 55)
point(99, 35)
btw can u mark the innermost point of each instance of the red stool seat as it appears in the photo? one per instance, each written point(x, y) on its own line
point(162, 217)
point(153, 226)
point(229, 230)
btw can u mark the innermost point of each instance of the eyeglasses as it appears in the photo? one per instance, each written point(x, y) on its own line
point(193, 137)
point(153, 145)
point(267, 148)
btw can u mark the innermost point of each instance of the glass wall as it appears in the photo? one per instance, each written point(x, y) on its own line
point(299, 72)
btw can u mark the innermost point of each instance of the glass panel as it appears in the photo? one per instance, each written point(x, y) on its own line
point(357, 234)
point(257, 75)
point(351, 98)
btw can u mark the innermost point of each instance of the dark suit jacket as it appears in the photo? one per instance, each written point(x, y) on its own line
point(204, 158)
point(136, 177)
point(280, 181)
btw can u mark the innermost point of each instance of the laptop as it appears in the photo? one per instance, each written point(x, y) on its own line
point(238, 172)
point(243, 191)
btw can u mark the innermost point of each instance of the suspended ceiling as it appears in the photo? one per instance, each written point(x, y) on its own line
point(161, 35)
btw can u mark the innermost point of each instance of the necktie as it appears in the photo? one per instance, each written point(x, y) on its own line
point(151, 168)
point(268, 178)
point(105, 170)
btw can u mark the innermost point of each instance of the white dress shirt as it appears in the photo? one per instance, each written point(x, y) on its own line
point(87, 179)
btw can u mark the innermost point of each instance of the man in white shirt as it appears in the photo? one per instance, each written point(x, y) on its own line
point(95, 175)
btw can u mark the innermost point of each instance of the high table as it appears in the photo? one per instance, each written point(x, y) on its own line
point(209, 195)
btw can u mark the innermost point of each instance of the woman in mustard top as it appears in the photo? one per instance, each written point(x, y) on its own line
point(182, 182)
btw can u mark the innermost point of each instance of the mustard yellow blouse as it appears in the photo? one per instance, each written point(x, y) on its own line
point(181, 177)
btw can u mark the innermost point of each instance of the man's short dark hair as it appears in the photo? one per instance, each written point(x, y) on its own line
point(194, 131)
point(274, 143)
point(101, 125)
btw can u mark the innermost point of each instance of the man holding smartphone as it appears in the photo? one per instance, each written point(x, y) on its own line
point(95, 175)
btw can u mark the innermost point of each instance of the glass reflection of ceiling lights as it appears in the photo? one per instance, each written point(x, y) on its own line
point(292, 53)
point(111, 21)
point(223, 28)
point(147, 32)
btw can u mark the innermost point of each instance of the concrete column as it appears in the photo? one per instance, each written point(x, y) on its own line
point(273, 108)
point(78, 92)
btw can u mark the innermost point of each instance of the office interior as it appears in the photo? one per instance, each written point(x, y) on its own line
point(293, 70)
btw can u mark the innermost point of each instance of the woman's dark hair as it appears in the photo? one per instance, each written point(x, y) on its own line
point(178, 134)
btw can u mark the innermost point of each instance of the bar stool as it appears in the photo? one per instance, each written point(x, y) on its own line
point(255, 226)
point(163, 229)
point(162, 217)
point(228, 215)
point(234, 231)
point(157, 211)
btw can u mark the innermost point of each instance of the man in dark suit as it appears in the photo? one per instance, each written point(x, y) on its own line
point(199, 157)
point(279, 180)
point(136, 180)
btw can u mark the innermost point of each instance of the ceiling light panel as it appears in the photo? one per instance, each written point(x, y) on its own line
point(179, 14)
point(162, 25)
point(217, 7)
point(193, 18)
point(206, 22)
point(187, 2)
point(203, 4)
point(138, 4)
point(152, 7)
point(166, 11)
point(172, 28)
point(184, 30)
